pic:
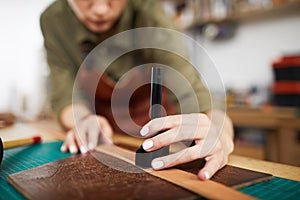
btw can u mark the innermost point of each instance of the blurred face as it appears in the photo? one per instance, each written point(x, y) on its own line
point(99, 15)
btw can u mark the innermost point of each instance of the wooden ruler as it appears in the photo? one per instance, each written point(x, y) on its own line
point(208, 189)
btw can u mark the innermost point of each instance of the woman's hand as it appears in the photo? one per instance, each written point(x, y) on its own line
point(211, 143)
point(85, 134)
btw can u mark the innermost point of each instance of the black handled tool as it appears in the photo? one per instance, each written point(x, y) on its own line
point(143, 158)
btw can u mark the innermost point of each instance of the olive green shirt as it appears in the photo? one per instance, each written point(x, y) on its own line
point(65, 39)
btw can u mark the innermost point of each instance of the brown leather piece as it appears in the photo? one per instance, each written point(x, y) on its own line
point(84, 177)
point(231, 176)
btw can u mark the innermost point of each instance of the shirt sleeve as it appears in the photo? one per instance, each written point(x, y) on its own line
point(62, 69)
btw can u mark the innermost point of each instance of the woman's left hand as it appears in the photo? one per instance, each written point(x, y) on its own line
point(210, 143)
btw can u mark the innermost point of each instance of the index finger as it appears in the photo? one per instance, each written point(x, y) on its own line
point(159, 124)
point(171, 121)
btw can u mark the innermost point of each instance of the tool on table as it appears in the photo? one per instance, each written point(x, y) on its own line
point(16, 143)
point(142, 157)
point(6, 119)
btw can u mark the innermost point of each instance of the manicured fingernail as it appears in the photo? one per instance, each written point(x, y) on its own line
point(107, 140)
point(110, 142)
point(147, 144)
point(157, 164)
point(206, 174)
point(73, 149)
point(83, 149)
point(144, 131)
point(91, 146)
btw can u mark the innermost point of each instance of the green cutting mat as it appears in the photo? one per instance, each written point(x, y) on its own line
point(22, 158)
point(277, 188)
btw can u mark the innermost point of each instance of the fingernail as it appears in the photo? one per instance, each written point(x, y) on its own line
point(110, 142)
point(91, 146)
point(206, 174)
point(147, 144)
point(73, 149)
point(157, 164)
point(83, 149)
point(63, 148)
point(144, 131)
point(107, 140)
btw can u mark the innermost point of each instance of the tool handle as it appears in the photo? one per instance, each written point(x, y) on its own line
point(156, 92)
point(21, 142)
point(143, 158)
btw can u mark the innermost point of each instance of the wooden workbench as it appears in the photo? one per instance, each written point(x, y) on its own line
point(282, 125)
point(50, 131)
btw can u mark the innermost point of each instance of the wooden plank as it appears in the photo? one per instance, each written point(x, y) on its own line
point(204, 188)
point(24, 130)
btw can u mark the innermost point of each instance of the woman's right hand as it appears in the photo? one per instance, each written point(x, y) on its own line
point(85, 134)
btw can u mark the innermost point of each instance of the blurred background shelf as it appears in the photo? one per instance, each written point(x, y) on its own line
point(244, 10)
point(195, 13)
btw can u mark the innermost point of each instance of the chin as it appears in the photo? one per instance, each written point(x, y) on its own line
point(99, 29)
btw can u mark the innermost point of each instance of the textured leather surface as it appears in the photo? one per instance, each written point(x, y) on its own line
point(84, 177)
point(231, 176)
